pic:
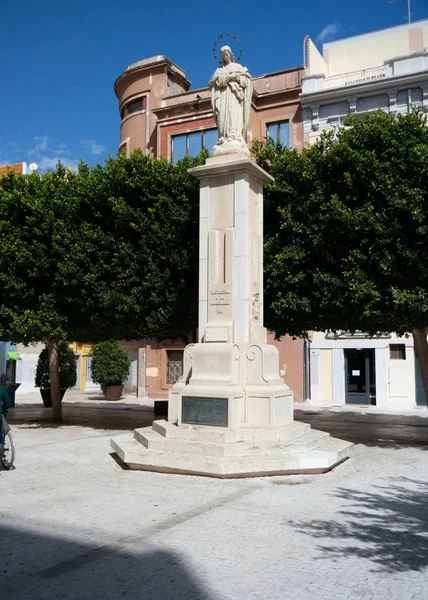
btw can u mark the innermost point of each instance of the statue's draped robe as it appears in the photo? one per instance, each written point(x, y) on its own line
point(231, 102)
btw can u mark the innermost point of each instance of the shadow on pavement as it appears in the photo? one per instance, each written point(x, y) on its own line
point(387, 525)
point(372, 429)
point(96, 417)
point(38, 566)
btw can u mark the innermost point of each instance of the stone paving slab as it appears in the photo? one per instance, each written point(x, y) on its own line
point(75, 525)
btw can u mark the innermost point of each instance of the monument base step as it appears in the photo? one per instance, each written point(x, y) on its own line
point(212, 452)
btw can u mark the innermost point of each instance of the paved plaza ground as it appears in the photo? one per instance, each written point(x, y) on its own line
point(75, 525)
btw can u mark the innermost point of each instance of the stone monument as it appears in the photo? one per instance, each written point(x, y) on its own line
point(231, 93)
point(231, 414)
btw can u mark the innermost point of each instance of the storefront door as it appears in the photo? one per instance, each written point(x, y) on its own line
point(360, 376)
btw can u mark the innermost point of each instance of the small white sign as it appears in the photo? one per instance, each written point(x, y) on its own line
point(355, 373)
point(216, 334)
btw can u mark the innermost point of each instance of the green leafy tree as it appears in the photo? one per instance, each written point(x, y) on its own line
point(109, 252)
point(43, 265)
point(347, 231)
point(144, 216)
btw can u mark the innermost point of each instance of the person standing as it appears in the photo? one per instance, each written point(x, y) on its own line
point(5, 404)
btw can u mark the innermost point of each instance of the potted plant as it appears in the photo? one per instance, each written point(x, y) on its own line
point(67, 372)
point(110, 368)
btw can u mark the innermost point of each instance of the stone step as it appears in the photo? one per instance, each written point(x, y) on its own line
point(325, 457)
point(193, 432)
point(142, 435)
point(156, 443)
point(333, 449)
point(127, 448)
point(224, 436)
point(305, 442)
point(310, 441)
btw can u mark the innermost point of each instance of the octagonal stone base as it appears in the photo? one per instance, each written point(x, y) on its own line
point(223, 453)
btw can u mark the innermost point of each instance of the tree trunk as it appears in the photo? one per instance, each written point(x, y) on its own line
point(52, 346)
point(421, 351)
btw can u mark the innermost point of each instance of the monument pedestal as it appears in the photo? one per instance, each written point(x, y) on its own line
point(231, 414)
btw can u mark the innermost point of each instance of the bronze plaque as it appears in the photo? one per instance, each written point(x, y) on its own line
point(199, 410)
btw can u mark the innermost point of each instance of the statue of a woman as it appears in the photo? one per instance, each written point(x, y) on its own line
point(231, 91)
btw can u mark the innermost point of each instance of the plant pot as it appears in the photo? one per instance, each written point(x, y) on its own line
point(46, 396)
point(112, 392)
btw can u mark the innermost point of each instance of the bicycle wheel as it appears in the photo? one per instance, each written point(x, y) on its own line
point(7, 451)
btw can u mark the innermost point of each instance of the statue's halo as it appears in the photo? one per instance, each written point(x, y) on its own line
point(233, 36)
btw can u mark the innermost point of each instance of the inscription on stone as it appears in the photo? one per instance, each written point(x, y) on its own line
point(198, 410)
point(219, 303)
point(219, 297)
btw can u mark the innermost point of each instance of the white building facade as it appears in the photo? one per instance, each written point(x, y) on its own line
point(385, 70)
point(354, 369)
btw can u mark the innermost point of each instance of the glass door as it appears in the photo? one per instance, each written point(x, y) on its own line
point(360, 376)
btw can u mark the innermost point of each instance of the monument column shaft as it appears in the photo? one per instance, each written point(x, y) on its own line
point(231, 258)
point(248, 263)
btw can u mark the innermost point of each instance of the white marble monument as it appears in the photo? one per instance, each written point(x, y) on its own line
point(231, 414)
point(231, 92)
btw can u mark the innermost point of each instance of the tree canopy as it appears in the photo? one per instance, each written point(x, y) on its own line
point(347, 230)
point(43, 261)
point(144, 216)
point(109, 252)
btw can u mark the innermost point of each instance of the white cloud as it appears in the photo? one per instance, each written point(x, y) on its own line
point(47, 158)
point(62, 149)
point(8, 156)
point(93, 146)
point(41, 144)
point(328, 32)
point(46, 163)
point(42, 150)
point(4, 162)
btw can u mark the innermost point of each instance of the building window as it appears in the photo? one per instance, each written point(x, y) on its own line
point(134, 106)
point(397, 351)
point(190, 144)
point(279, 132)
point(124, 147)
point(174, 365)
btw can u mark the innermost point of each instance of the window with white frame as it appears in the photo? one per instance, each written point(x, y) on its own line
point(279, 132)
point(190, 144)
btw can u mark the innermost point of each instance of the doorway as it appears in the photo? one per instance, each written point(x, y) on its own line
point(360, 376)
point(78, 367)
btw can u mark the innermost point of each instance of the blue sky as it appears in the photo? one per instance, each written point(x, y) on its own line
point(59, 59)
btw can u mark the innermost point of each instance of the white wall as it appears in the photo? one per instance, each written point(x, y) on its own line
point(373, 49)
point(26, 368)
point(395, 378)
